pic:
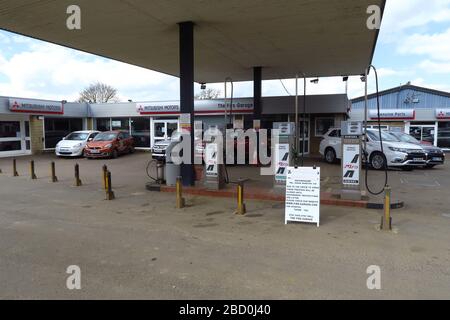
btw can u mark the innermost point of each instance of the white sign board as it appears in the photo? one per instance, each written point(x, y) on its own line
point(211, 155)
point(351, 164)
point(393, 114)
point(36, 106)
point(303, 195)
point(282, 162)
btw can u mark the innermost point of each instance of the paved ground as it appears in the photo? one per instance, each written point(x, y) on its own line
point(139, 246)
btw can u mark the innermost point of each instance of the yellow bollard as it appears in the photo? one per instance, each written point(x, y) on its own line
point(179, 191)
point(15, 174)
point(109, 193)
point(53, 172)
point(105, 177)
point(77, 176)
point(386, 220)
point(32, 173)
point(240, 198)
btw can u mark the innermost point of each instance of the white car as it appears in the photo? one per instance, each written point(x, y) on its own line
point(396, 153)
point(74, 143)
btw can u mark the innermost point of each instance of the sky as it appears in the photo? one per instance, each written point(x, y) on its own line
point(414, 45)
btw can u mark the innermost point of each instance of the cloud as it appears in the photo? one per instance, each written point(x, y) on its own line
point(436, 46)
point(49, 71)
point(400, 15)
point(435, 67)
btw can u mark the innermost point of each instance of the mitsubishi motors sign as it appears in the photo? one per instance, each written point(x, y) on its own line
point(393, 114)
point(35, 106)
point(442, 114)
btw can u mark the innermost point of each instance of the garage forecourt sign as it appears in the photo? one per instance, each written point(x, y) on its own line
point(302, 195)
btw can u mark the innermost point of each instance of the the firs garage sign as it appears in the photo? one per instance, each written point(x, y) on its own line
point(351, 164)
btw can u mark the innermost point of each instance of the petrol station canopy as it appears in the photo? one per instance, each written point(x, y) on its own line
point(317, 37)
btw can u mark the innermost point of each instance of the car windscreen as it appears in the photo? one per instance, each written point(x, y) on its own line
point(105, 137)
point(407, 138)
point(375, 136)
point(78, 136)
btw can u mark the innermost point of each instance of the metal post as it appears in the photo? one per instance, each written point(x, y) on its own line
point(297, 129)
point(15, 174)
point(186, 47)
point(180, 203)
point(386, 220)
point(240, 198)
point(77, 176)
point(53, 172)
point(109, 193)
point(365, 117)
point(32, 173)
point(304, 120)
point(105, 176)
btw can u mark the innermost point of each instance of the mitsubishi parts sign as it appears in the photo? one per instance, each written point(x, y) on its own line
point(351, 164)
point(36, 106)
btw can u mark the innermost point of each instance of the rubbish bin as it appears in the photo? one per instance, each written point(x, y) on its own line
point(172, 172)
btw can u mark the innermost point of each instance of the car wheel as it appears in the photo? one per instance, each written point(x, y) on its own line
point(330, 155)
point(114, 154)
point(378, 161)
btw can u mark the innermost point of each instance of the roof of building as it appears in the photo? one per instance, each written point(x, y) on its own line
point(407, 86)
point(285, 37)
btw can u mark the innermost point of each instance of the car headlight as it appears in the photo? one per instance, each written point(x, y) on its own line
point(108, 146)
point(403, 150)
point(77, 146)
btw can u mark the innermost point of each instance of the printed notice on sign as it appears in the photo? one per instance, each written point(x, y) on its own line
point(303, 195)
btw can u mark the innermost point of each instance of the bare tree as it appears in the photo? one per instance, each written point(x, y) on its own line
point(99, 93)
point(208, 94)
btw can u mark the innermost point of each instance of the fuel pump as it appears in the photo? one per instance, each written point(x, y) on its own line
point(283, 154)
point(351, 133)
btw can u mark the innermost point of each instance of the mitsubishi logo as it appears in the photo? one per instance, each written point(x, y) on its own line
point(15, 105)
point(140, 108)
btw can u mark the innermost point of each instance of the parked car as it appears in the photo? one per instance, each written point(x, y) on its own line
point(396, 154)
point(74, 143)
point(160, 147)
point(109, 144)
point(435, 155)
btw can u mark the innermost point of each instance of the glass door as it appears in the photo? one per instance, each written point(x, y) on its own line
point(424, 133)
point(163, 129)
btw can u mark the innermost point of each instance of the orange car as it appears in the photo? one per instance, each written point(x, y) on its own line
point(109, 144)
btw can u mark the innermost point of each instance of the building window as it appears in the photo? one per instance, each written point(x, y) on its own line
point(323, 125)
point(58, 128)
point(103, 124)
point(120, 124)
point(9, 129)
point(140, 130)
point(443, 137)
point(10, 146)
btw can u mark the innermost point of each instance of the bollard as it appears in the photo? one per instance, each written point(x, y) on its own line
point(386, 220)
point(105, 176)
point(179, 191)
point(77, 176)
point(15, 174)
point(32, 173)
point(240, 198)
point(109, 193)
point(53, 172)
